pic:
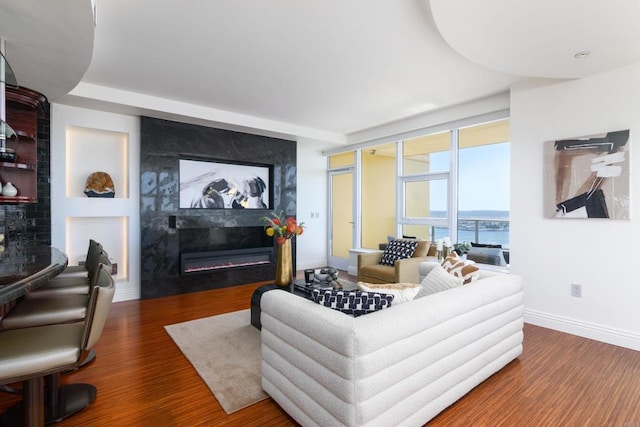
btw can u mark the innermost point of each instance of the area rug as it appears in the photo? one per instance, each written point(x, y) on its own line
point(225, 351)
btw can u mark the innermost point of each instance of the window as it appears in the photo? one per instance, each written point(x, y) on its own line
point(483, 184)
point(342, 159)
point(426, 161)
point(453, 183)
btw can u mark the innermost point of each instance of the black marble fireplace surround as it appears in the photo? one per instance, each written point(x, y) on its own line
point(167, 232)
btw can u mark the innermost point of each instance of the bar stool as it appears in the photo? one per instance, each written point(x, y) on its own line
point(65, 308)
point(82, 270)
point(32, 354)
point(76, 283)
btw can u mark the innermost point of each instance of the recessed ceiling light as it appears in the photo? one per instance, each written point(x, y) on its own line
point(582, 54)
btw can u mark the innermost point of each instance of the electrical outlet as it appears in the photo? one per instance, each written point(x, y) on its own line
point(576, 290)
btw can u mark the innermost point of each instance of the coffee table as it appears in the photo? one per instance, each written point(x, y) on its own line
point(298, 287)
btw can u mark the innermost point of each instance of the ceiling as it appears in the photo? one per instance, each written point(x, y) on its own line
point(331, 67)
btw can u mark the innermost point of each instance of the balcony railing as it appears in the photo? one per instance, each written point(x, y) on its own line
point(478, 230)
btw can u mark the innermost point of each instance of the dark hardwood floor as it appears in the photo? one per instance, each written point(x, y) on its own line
point(143, 379)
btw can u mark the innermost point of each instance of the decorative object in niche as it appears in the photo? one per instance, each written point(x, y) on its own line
point(99, 184)
point(9, 190)
point(220, 184)
point(7, 155)
point(588, 177)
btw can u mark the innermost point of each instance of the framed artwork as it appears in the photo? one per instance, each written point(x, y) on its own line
point(216, 184)
point(588, 176)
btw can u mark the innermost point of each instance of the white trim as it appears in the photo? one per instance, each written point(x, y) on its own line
point(477, 111)
point(619, 337)
point(429, 130)
point(99, 97)
point(453, 192)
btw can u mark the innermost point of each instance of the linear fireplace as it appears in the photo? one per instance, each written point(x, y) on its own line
point(209, 262)
point(222, 256)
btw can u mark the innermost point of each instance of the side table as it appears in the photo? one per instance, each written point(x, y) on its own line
point(255, 304)
point(257, 296)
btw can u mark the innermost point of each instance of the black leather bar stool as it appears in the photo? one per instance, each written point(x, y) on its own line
point(30, 355)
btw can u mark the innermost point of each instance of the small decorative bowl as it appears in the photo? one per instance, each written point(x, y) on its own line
point(321, 277)
point(7, 155)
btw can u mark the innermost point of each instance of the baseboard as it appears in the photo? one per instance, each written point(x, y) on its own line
point(311, 264)
point(124, 293)
point(592, 331)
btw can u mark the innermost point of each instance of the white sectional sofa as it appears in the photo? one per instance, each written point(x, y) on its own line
point(398, 366)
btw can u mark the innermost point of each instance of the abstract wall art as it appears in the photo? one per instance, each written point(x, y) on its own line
point(588, 176)
point(207, 184)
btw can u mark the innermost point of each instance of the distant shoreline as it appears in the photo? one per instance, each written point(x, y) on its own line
point(474, 214)
point(493, 226)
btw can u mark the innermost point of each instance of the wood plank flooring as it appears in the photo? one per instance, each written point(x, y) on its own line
point(144, 380)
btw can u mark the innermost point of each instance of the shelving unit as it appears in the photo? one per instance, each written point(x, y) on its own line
point(22, 115)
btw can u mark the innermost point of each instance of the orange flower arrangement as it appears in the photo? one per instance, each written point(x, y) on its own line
point(281, 227)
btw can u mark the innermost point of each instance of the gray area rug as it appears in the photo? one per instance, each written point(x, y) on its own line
point(225, 351)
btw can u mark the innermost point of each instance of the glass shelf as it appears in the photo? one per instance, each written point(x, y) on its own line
point(18, 199)
point(13, 165)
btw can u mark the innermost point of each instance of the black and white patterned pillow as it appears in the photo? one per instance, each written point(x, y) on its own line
point(398, 249)
point(355, 303)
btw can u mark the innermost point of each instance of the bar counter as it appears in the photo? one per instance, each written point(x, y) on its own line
point(25, 269)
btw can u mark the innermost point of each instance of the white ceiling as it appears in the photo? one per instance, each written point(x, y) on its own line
point(334, 66)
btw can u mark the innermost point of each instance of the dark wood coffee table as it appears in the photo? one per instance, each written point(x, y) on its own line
point(297, 288)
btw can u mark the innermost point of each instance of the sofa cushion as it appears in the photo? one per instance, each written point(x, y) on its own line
point(422, 249)
point(355, 303)
point(438, 280)
point(378, 273)
point(491, 256)
point(485, 245)
point(456, 266)
point(402, 292)
point(398, 249)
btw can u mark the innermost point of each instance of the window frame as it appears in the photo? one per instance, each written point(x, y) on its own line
point(453, 127)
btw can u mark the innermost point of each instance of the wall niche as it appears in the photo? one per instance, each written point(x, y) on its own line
point(162, 144)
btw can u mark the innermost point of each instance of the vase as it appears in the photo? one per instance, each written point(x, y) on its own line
point(9, 190)
point(284, 265)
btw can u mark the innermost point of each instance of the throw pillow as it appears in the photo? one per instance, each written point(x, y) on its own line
point(402, 292)
point(398, 249)
point(437, 280)
point(355, 303)
point(456, 266)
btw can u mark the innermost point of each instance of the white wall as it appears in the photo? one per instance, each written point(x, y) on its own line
point(551, 254)
point(311, 247)
point(76, 218)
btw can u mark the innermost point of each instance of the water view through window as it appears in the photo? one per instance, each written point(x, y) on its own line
point(483, 195)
